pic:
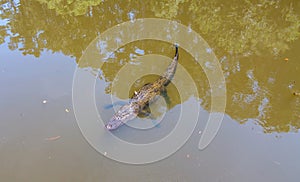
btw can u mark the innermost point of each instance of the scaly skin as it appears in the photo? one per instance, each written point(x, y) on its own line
point(142, 98)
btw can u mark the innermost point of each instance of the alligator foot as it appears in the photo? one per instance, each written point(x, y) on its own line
point(145, 112)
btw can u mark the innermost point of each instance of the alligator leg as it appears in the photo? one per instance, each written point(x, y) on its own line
point(145, 112)
point(164, 93)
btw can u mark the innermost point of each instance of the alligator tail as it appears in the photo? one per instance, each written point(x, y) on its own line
point(170, 72)
point(176, 52)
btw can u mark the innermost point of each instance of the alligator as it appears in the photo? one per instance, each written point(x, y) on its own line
point(141, 98)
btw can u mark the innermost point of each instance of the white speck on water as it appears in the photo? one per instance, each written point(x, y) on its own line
point(255, 86)
point(209, 50)
point(223, 59)
point(110, 55)
point(189, 28)
point(121, 50)
point(139, 51)
point(39, 32)
point(105, 153)
point(209, 65)
point(44, 101)
point(131, 16)
point(291, 85)
point(200, 132)
point(250, 74)
point(238, 68)
point(67, 110)
point(226, 74)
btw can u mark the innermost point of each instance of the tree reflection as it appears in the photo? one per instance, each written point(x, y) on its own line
point(250, 37)
point(74, 7)
point(240, 27)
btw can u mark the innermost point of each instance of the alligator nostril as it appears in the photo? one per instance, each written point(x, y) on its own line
point(108, 126)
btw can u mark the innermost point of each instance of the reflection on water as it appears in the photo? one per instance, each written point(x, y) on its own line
point(251, 39)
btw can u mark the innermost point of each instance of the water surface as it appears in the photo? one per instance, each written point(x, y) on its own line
point(257, 46)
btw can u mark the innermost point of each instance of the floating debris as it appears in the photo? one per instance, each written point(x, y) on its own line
point(286, 59)
point(105, 153)
point(53, 138)
point(187, 156)
point(44, 101)
point(67, 110)
point(131, 16)
point(296, 93)
point(139, 51)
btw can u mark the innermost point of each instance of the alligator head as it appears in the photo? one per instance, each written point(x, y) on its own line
point(126, 113)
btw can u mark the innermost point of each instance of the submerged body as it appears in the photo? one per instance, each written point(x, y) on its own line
point(141, 98)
